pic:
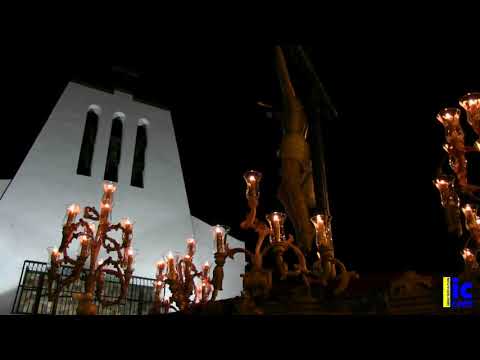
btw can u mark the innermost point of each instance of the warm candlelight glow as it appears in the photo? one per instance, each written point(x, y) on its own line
point(100, 262)
point(449, 116)
point(170, 255)
point(126, 223)
point(84, 240)
point(441, 184)
point(92, 227)
point(191, 247)
point(467, 210)
point(469, 101)
point(252, 178)
point(468, 255)
point(276, 221)
point(74, 209)
point(323, 232)
point(477, 145)
point(109, 187)
point(130, 252)
point(219, 238)
point(55, 252)
point(105, 206)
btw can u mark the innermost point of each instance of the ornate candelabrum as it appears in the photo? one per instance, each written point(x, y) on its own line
point(258, 281)
point(93, 238)
point(178, 273)
point(455, 191)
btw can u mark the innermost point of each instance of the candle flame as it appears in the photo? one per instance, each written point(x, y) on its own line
point(440, 183)
point(467, 208)
point(191, 241)
point(170, 255)
point(100, 262)
point(467, 254)
point(74, 209)
point(130, 252)
point(187, 257)
point(218, 229)
point(447, 116)
point(251, 178)
point(275, 217)
point(159, 283)
point(109, 187)
point(206, 265)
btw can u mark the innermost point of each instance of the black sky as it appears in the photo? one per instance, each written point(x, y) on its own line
point(382, 152)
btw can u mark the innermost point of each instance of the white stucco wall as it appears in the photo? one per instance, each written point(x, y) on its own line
point(3, 186)
point(33, 207)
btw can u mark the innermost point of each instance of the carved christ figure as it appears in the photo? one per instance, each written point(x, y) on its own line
point(296, 190)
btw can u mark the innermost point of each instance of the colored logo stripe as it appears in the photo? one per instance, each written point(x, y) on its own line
point(446, 292)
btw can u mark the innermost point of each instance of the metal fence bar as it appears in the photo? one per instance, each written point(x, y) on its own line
point(32, 293)
point(38, 295)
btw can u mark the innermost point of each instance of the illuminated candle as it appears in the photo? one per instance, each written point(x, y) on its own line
point(55, 255)
point(72, 211)
point(108, 189)
point(171, 266)
point(191, 247)
point(469, 215)
point(468, 256)
point(126, 224)
point(276, 221)
point(161, 267)
point(471, 103)
point(252, 178)
point(84, 241)
point(219, 239)
point(441, 184)
point(323, 233)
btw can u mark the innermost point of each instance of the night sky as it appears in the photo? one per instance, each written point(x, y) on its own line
point(382, 151)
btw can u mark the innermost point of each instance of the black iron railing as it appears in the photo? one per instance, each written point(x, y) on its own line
point(32, 293)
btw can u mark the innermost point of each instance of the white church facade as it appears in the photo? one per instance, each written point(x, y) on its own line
point(92, 136)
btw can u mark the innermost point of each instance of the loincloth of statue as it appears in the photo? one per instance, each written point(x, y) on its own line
point(296, 190)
